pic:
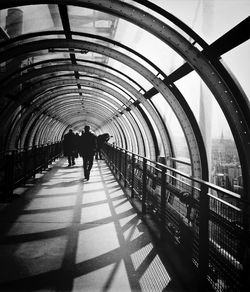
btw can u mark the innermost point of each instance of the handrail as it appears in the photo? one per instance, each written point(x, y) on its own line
point(197, 180)
point(211, 232)
point(17, 165)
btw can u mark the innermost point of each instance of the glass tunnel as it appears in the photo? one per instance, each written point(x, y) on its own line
point(168, 80)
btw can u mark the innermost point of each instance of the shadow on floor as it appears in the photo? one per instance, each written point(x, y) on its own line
point(66, 234)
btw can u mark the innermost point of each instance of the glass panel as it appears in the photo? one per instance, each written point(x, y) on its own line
point(141, 127)
point(91, 21)
point(156, 131)
point(129, 135)
point(149, 46)
point(164, 5)
point(208, 16)
point(189, 86)
point(131, 73)
point(221, 150)
point(31, 18)
point(173, 126)
point(239, 62)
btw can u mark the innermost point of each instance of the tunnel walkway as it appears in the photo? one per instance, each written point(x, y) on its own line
point(68, 234)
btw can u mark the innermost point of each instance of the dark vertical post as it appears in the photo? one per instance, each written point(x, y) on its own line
point(34, 159)
point(144, 189)
point(120, 164)
point(125, 168)
point(9, 174)
point(46, 155)
point(113, 157)
point(163, 200)
point(203, 236)
point(133, 176)
point(26, 164)
point(116, 159)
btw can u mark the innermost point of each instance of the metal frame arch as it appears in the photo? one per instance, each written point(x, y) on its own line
point(161, 87)
point(13, 124)
point(38, 138)
point(25, 137)
point(138, 144)
point(128, 87)
point(69, 116)
point(68, 68)
point(59, 60)
point(135, 135)
point(31, 142)
point(34, 135)
point(116, 133)
point(120, 133)
point(127, 128)
point(44, 131)
point(51, 133)
point(58, 132)
point(86, 83)
point(26, 130)
point(137, 141)
point(240, 138)
point(57, 101)
point(123, 100)
point(118, 127)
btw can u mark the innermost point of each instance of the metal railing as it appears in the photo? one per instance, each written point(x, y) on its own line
point(19, 165)
point(213, 233)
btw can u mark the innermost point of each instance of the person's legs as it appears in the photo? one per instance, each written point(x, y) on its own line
point(69, 161)
point(85, 166)
point(90, 159)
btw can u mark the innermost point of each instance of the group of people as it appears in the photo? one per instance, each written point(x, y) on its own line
point(87, 146)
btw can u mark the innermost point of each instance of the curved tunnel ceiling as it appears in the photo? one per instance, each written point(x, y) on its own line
point(59, 78)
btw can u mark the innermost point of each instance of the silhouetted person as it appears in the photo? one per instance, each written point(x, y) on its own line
point(77, 144)
point(101, 139)
point(69, 147)
point(88, 144)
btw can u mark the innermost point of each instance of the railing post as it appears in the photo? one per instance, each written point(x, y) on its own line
point(203, 235)
point(144, 189)
point(125, 168)
point(45, 157)
point(9, 174)
point(132, 175)
point(116, 159)
point(120, 164)
point(163, 200)
point(34, 159)
point(112, 157)
point(26, 164)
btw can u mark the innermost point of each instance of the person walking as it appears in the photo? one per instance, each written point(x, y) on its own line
point(101, 140)
point(69, 147)
point(88, 145)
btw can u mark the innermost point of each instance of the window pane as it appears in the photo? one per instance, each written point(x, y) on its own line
point(173, 126)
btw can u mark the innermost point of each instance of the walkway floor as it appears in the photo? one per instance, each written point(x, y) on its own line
point(68, 234)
